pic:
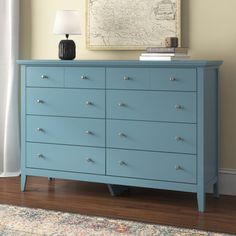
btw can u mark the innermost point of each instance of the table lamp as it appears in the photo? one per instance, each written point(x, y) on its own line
point(67, 22)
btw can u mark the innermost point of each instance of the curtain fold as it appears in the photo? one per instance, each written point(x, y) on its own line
point(9, 89)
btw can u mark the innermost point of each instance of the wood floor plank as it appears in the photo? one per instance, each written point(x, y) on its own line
point(146, 205)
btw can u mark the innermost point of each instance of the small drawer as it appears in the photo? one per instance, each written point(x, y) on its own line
point(45, 77)
point(175, 79)
point(85, 77)
point(61, 130)
point(65, 158)
point(152, 105)
point(127, 78)
point(152, 136)
point(151, 165)
point(66, 102)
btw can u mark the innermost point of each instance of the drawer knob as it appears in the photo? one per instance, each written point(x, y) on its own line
point(84, 77)
point(39, 101)
point(178, 107)
point(40, 156)
point(121, 134)
point(88, 132)
point(121, 104)
point(40, 129)
point(172, 78)
point(44, 77)
point(88, 103)
point(178, 167)
point(122, 163)
point(178, 138)
point(126, 78)
point(90, 160)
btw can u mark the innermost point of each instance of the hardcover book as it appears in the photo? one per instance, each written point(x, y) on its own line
point(161, 58)
point(167, 50)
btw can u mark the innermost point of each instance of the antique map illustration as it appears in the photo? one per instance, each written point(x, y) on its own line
point(131, 24)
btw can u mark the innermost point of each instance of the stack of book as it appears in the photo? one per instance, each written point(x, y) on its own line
point(164, 54)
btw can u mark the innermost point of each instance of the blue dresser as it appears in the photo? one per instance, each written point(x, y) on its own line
point(123, 123)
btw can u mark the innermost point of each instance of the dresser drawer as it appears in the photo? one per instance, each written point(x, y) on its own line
point(85, 77)
point(45, 77)
point(66, 102)
point(77, 131)
point(177, 79)
point(151, 165)
point(152, 105)
point(127, 78)
point(65, 158)
point(153, 136)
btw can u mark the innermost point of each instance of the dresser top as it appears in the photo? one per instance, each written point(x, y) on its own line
point(180, 63)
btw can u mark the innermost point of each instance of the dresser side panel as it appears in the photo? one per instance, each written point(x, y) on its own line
point(211, 124)
point(207, 126)
point(23, 120)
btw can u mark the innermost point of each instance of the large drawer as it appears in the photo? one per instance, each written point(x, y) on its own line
point(85, 77)
point(127, 78)
point(77, 131)
point(65, 158)
point(45, 77)
point(151, 165)
point(177, 79)
point(153, 136)
point(66, 102)
point(152, 105)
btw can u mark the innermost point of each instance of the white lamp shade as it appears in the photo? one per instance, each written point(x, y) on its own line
point(67, 22)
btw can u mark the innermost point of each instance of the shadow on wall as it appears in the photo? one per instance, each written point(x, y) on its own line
point(25, 28)
point(185, 24)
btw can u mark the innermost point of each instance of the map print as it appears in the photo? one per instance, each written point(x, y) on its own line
point(131, 24)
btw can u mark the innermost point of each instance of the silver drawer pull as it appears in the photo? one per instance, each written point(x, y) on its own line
point(121, 104)
point(83, 77)
point(122, 163)
point(172, 78)
point(39, 101)
point(90, 160)
point(88, 132)
point(178, 167)
point(44, 77)
point(178, 107)
point(40, 156)
point(40, 129)
point(178, 138)
point(88, 103)
point(126, 78)
point(121, 134)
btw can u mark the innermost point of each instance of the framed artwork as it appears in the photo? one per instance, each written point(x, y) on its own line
point(131, 24)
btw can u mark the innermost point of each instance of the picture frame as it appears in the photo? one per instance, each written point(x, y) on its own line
point(131, 24)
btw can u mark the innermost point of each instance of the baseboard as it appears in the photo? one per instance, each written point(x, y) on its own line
point(227, 181)
point(9, 174)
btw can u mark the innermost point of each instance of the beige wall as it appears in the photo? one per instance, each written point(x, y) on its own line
point(208, 29)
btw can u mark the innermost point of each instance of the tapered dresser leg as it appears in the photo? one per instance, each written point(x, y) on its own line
point(23, 182)
point(201, 200)
point(216, 190)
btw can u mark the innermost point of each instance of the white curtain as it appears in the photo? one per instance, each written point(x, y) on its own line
point(9, 95)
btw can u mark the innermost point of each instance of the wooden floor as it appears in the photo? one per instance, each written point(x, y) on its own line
point(146, 205)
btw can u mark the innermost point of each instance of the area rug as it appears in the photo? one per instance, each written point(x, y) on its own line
point(21, 221)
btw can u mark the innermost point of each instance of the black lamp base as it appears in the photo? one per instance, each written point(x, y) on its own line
point(66, 49)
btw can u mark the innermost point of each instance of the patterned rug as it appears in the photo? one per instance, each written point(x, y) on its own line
point(20, 221)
